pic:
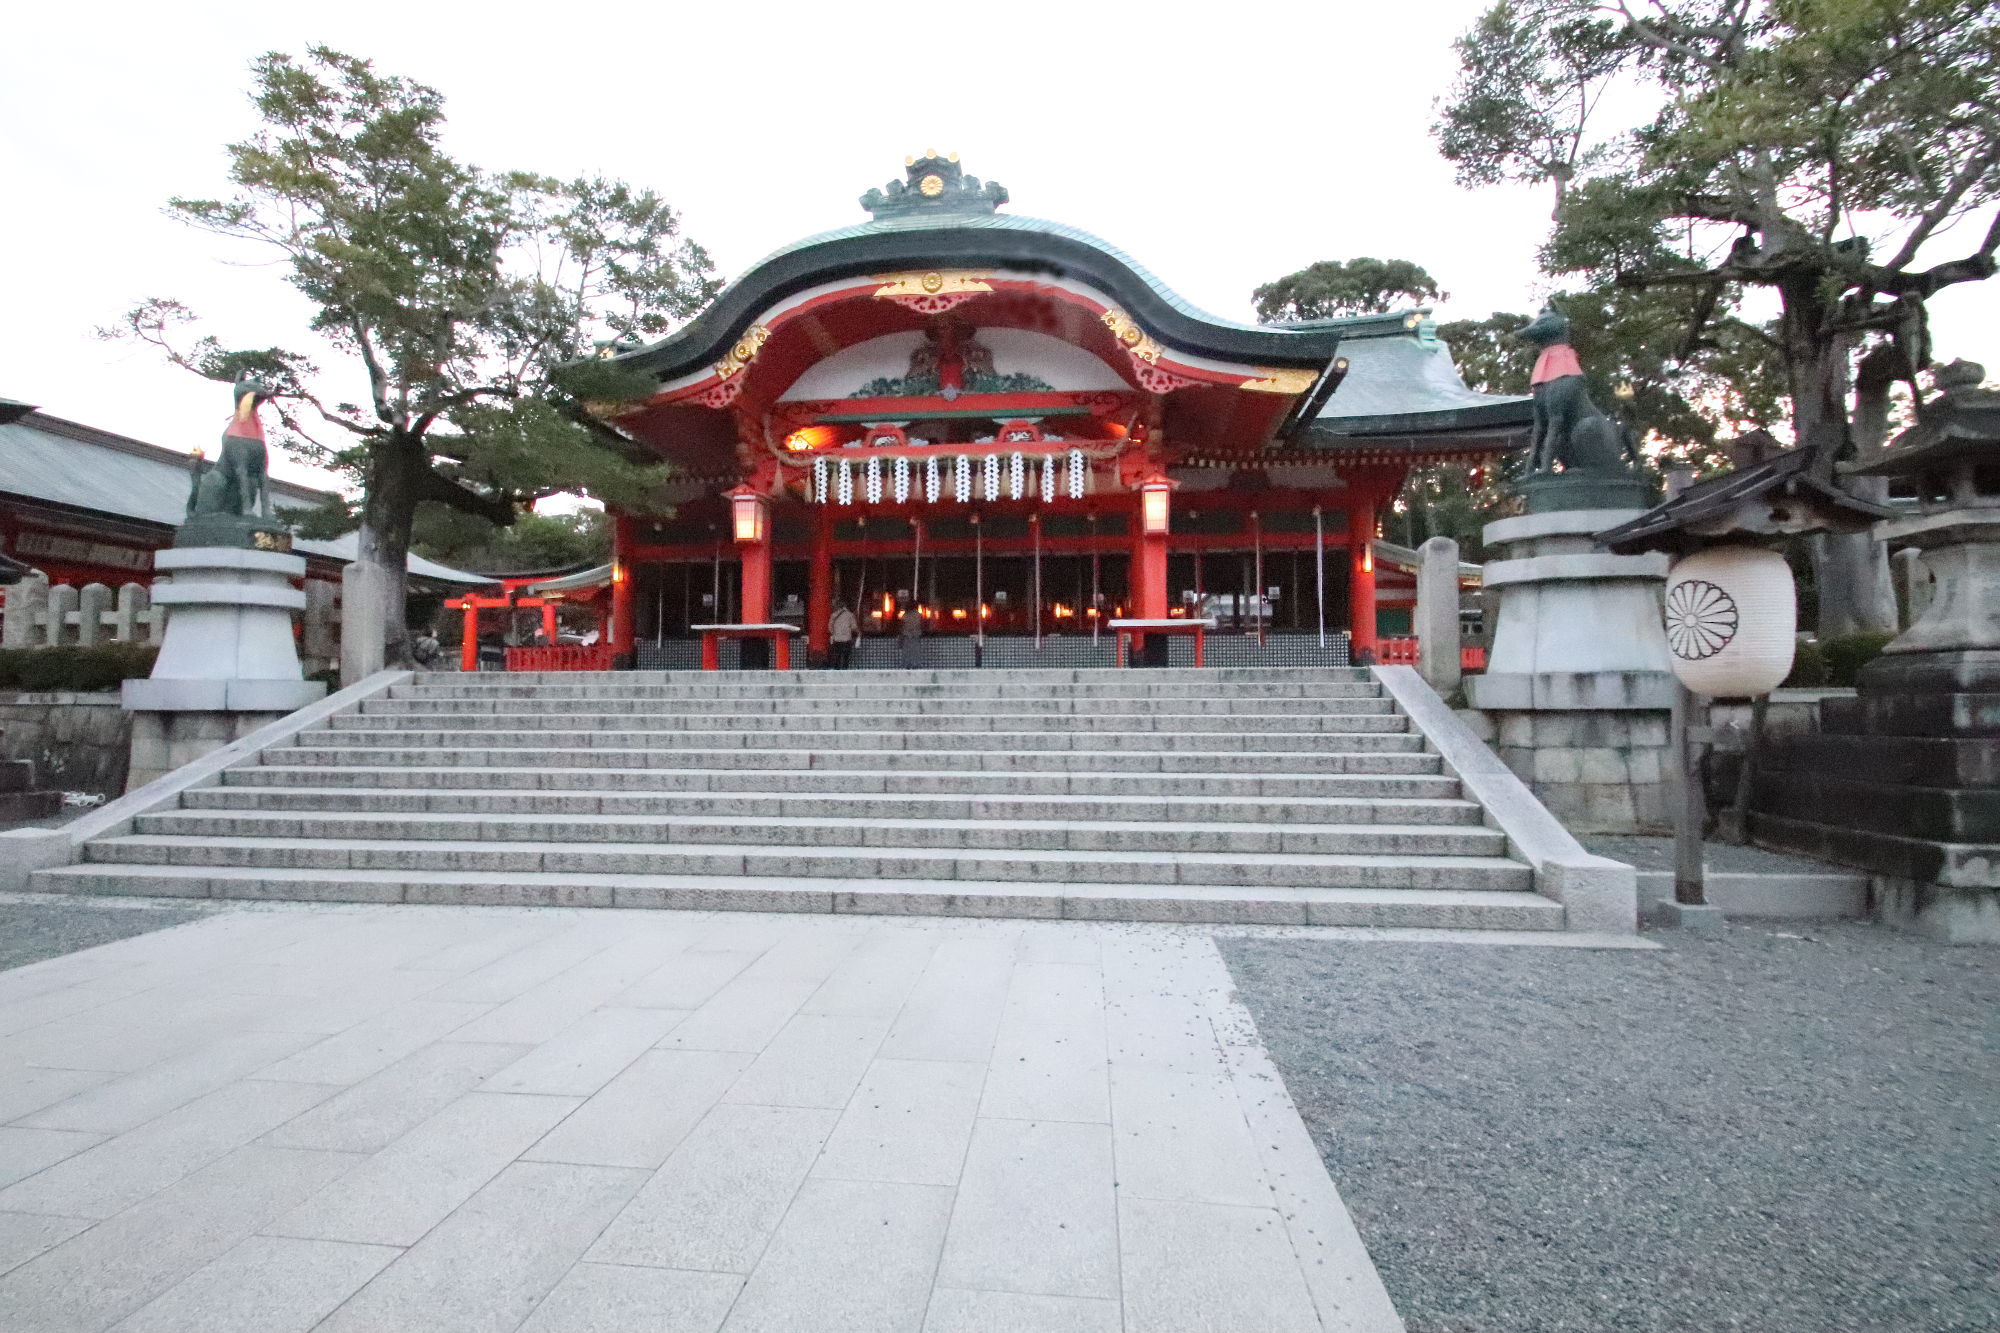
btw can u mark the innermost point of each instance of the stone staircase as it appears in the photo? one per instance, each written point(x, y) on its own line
point(1250, 795)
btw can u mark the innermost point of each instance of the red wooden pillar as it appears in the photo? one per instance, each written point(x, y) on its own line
point(468, 644)
point(549, 623)
point(819, 588)
point(621, 635)
point(1361, 574)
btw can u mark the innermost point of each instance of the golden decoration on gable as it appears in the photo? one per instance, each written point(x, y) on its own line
point(936, 282)
point(1283, 381)
point(1131, 337)
point(745, 351)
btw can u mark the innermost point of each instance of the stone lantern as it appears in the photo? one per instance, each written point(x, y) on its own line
point(1903, 780)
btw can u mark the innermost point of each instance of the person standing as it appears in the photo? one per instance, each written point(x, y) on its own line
point(911, 632)
point(841, 630)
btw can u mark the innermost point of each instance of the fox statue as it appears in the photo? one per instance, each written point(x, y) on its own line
point(1568, 427)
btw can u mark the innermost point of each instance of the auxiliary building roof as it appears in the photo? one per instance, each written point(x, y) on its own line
point(80, 467)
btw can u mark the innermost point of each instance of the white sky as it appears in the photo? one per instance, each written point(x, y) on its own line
point(1220, 146)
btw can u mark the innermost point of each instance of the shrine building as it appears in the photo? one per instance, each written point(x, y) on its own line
point(1013, 426)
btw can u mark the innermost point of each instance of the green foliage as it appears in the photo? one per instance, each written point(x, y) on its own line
point(100, 666)
point(1527, 86)
point(449, 293)
point(1847, 654)
point(1835, 663)
point(531, 542)
point(1811, 147)
point(1335, 287)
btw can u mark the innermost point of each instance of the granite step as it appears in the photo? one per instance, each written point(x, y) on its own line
point(828, 831)
point(1364, 907)
point(1352, 700)
point(1366, 787)
point(1410, 760)
point(973, 804)
point(1017, 742)
point(1262, 870)
point(1339, 722)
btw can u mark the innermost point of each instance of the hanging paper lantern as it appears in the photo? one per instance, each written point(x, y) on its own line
point(875, 481)
point(902, 481)
point(821, 469)
point(992, 476)
point(1018, 481)
point(931, 485)
point(961, 476)
point(1077, 473)
point(846, 483)
point(1732, 621)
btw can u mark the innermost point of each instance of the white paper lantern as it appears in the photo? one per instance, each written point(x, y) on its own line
point(1732, 621)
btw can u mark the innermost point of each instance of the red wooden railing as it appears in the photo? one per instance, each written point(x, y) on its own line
point(1403, 652)
point(563, 657)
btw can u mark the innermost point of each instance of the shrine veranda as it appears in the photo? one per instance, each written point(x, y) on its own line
point(1011, 426)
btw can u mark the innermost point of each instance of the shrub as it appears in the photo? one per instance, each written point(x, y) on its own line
point(1846, 655)
point(1808, 667)
point(1835, 663)
point(101, 666)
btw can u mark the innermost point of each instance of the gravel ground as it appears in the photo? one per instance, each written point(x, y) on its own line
point(1786, 1129)
point(1658, 854)
point(31, 930)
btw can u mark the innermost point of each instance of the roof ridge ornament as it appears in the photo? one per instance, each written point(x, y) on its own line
point(934, 184)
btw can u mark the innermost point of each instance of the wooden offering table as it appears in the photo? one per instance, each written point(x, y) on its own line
point(1133, 630)
point(778, 636)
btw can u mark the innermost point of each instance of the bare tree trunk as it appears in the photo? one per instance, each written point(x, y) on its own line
point(1850, 569)
point(387, 509)
point(1857, 563)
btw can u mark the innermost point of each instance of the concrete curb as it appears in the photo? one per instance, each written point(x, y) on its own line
point(24, 851)
point(1598, 894)
point(1769, 895)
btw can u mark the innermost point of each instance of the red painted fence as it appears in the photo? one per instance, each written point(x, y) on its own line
point(564, 657)
point(1403, 652)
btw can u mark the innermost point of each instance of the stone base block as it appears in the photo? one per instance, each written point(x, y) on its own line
point(1951, 916)
point(1597, 772)
point(20, 806)
point(163, 741)
point(1695, 918)
point(1578, 691)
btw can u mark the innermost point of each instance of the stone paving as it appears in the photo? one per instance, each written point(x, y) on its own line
point(375, 1119)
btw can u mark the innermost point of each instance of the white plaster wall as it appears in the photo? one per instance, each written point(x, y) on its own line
point(1015, 352)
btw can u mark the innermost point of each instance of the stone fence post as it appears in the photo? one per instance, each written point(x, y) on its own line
point(1437, 624)
point(27, 602)
point(62, 604)
point(92, 601)
point(128, 620)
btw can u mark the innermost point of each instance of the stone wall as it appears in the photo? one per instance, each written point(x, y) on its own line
point(1598, 772)
point(77, 742)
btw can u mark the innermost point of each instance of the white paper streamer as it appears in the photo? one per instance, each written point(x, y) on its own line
point(961, 476)
point(992, 476)
point(845, 481)
point(1018, 481)
point(902, 481)
point(931, 480)
point(875, 481)
point(1077, 474)
point(820, 471)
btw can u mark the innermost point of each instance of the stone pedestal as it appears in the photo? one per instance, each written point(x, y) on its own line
point(1903, 780)
point(228, 663)
point(1576, 694)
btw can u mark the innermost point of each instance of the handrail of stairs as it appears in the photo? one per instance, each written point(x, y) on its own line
point(24, 851)
point(1598, 894)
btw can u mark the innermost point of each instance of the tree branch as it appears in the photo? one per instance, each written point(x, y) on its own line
point(1963, 180)
point(443, 490)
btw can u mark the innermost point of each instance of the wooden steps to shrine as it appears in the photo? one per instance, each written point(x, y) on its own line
point(1266, 796)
